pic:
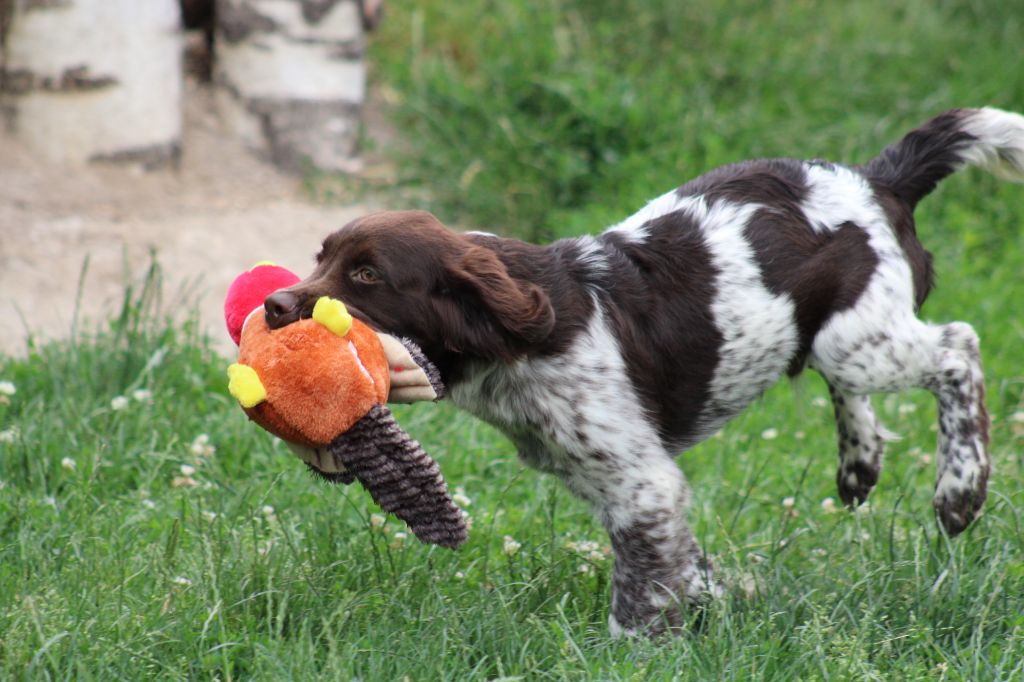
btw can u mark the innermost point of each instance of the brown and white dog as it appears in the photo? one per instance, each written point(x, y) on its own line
point(602, 357)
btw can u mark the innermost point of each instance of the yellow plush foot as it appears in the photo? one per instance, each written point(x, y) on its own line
point(331, 313)
point(245, 385)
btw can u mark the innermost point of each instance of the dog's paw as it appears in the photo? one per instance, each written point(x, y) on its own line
point(958, 500)
point(855, 481)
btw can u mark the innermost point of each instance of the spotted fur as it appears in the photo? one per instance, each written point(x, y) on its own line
point(601, 357)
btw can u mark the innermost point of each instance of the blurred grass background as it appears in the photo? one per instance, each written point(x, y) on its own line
point(148, 530)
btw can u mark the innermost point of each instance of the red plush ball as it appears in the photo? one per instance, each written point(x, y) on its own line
point(248, 291)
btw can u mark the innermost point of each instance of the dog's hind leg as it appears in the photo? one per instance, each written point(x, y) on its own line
point(901, 352)
point(964, 465)
point(861, 445)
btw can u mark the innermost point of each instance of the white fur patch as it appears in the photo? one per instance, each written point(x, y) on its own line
point(758, 328)
point(999, 148)
point(634, 228)
point(592, 256)
point(838, 195)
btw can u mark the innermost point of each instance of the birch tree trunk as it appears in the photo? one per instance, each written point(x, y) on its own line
point(93, 80)
point(291, 79)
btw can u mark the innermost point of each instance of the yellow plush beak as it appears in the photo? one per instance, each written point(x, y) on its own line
point(245, 385)
point(331, 313)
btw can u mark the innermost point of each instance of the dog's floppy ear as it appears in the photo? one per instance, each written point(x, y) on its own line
point(521, 308)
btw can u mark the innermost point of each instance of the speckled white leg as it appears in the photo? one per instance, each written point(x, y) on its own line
point(963, 461)
point(659, 567)
point(577, 416)
point(901, 352)
point(861, 445)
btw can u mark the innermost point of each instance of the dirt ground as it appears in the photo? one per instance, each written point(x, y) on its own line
point(219, 213)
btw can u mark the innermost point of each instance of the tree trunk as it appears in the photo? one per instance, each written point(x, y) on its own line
point(291, 79)
point(93, 80)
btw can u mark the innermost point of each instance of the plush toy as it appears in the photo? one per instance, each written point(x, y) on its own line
point(320, 385)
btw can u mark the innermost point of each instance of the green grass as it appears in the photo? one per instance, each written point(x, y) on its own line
point(544, 119)
point(551, 117)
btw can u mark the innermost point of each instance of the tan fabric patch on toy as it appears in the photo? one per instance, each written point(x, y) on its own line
point(409, 381)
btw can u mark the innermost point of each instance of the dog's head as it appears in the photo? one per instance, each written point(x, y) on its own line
point(404, 273)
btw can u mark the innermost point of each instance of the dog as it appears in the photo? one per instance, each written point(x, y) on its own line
point(602, 357)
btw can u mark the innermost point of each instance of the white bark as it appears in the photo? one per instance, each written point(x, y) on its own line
point(95, 80)
point(291, 78)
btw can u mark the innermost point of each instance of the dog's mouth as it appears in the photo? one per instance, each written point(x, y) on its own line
point(284, 307)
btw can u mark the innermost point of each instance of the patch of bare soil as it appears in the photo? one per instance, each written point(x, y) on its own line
point(219, 213)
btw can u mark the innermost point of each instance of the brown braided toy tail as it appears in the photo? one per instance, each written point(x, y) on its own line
point(400, 477)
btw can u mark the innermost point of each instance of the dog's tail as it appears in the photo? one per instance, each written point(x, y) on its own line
point(989, 138)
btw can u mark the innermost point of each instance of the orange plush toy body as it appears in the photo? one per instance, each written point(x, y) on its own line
point(321, 385)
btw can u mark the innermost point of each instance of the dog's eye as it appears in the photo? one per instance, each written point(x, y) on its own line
point(365, 275)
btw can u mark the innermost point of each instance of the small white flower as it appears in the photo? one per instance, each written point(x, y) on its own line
point(267, 510)
point(770, 434)
point(459, 575)
point(819, 402)
point(68, 464)
point(142, 395)
point(818, 551)
point(596, 555)
point(586, 569)
point(828, 505)
point(510, 546)
point(754, 557)
point(460, 498)
point(398, 540)
point(182, 580)
point(467, 519)
point(788, 502)
point(865, 536)
point(10, 435)
point(119, 403)
point(187, 469)
point(201, 446)
point(209, 515)
point(149, 504)
point(377, 520)
point(7, 388)
point(50, 500)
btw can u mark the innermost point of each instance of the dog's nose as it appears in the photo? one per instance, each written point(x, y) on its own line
point(281, 308)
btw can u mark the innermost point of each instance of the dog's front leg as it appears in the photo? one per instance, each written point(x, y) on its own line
point(659, 567)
